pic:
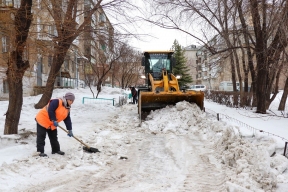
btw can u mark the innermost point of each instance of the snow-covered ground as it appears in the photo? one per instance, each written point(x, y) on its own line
point(178, 148)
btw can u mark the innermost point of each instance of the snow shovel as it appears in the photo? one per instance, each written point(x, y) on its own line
point(86, 147)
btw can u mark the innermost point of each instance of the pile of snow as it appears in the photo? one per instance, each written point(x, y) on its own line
point(178, 148)
point(247, 163)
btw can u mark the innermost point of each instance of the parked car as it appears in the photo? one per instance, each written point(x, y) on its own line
point(197, 87)
point(228, 86)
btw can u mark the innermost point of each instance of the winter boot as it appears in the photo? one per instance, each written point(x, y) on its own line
point(42, 155)
point(58, 152)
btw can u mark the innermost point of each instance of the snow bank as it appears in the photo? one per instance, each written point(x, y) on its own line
point(248, 162)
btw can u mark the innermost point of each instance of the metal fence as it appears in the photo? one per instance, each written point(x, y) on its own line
point(89, 100)
point(121, 101)
point(224, 117)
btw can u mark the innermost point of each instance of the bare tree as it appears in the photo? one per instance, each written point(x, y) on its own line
point(284, 97)
point(17, 66)
point(69, 28)
point(263, 24)
point(107, 65)
point(64, 16)
point(268, 53)
point(128, 68)
point(283, 100)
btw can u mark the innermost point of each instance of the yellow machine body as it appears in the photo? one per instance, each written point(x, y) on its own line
point(164, 90)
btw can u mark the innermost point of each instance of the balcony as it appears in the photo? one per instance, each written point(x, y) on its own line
point(7, 15)
point(7, 4)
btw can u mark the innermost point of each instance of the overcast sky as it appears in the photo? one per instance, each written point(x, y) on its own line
point(152, 37)
point(162, 38)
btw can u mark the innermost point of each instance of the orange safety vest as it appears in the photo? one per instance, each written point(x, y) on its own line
point(43, 119)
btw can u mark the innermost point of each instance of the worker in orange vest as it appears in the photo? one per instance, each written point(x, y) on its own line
point(47, 119)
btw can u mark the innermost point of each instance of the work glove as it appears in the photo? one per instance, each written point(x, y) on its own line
point(70, 133)
point(55, 123)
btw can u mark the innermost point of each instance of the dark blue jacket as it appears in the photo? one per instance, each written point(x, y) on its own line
point(51, 112)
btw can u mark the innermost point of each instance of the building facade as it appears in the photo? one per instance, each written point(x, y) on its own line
point(83, 52)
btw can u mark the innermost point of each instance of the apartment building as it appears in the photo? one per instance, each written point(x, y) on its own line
point(41, 42)
point(97, 42)
point(199, 68)
point(191, 61)
point(206, 69)
point(211, 70)
point(7, 16)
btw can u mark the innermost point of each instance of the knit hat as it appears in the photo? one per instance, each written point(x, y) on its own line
point(69, 96)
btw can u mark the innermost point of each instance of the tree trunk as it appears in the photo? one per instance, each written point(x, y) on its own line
point(261, 85)
point(275, 91)
point(58, 59)
point(261, 55)
point(17, 67)
point(284, 97)
point(14, 78)
point(99, 86)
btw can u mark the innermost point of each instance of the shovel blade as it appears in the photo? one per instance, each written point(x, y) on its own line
point(91, 149)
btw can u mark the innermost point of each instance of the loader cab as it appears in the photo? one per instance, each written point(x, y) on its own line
point(155, 62)
point(162, 85)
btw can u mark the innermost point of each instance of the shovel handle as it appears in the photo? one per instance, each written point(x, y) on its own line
point(74, 137)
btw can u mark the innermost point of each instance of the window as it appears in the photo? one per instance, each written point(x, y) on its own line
point(39, 62)
point(5, 86)
point(50, 60)
point(74, 63)
point(66, 64)
point(6, 3)
point(4, 44)
point(26, 53)
point(159, 61)
point(40, 28)
point(17, 3)
point(55, 31)
point(103, 47)
point(102, 17)
point(52, 30)
point(39, 4)
point(87, 2)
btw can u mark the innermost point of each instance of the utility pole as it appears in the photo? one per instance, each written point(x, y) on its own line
point(76, 68)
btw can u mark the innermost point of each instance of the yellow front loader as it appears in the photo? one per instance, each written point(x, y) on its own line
point(162, 86)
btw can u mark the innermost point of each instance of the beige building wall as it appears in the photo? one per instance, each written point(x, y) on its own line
point(225, 73)
point(39, 49)
point(190, 54)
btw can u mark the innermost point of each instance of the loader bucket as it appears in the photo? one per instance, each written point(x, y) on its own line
point(151, 100)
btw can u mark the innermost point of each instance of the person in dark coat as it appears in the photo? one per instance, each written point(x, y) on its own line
point(134, 95)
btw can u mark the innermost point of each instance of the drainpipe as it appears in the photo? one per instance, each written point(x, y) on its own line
point(76, 68)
